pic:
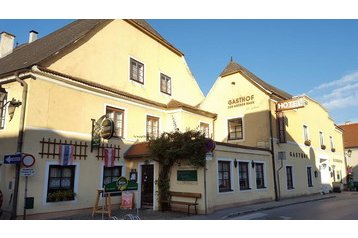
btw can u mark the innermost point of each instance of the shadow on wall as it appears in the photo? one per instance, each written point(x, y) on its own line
point(45, 147)
point(300, 171)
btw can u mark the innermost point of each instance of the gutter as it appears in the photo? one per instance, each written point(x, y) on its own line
point(19, 143)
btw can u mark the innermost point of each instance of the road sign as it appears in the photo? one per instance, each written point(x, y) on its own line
point(27, 172)
point(12, 159)
point(28, 160)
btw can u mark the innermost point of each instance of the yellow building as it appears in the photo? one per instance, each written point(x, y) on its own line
point(53, 88)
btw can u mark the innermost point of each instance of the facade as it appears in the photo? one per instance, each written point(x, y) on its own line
point(53, 88)
point(350, 138)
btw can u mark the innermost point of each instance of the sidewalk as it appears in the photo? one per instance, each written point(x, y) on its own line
point(149, 214)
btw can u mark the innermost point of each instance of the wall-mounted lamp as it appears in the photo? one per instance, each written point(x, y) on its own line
point(252, 164)
point(316, 174)
point(13, 104)
point(235, 163)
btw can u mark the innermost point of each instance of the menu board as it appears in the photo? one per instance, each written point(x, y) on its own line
point(127, 200)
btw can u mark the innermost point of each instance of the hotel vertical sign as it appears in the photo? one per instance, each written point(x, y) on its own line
point(281, 127)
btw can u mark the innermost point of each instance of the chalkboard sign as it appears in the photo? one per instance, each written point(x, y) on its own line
point(187, 175)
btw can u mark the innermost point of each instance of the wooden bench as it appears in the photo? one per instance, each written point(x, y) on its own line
point(193, 203)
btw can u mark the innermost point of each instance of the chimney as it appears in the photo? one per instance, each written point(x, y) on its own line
point(33, 36)
point(6, 44)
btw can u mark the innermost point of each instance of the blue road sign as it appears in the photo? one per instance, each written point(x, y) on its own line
point(12, 159)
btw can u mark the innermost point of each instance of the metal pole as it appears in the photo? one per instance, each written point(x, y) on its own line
point(24, 217)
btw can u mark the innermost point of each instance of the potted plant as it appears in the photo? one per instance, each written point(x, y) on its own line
point(308, 142)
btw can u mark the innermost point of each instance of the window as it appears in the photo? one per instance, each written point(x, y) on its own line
point(136, 71)
point(309, 177)
point(60, 183)
point(289, 177)
point(117, 115)
point(235, 129)
point(3, 96)
point(111, 174)
point(204, 128)
point(165, 84)
point(224, 176)
point(260, 181)
point(321, 138)
point(152, 127)
point(244, 175)
point(305, 133)
point(331, 141)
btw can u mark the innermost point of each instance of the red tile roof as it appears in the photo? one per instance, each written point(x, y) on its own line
point(350, 135)
point(138, 150)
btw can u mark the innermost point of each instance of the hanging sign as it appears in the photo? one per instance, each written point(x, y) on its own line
point(102, 128)
point(290, 104)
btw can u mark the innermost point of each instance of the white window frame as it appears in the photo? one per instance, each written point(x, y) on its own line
point(129, 71)
point(125, 117)
point(46, 177)
point(331, 142)
point(232, 186)
point(321, 138)
point(249, 170)
point(308, 133)
point(265, 175)
point(159, 124)
point(243, 128)
point(312, 175)
point(208, 125)
point(293, 178)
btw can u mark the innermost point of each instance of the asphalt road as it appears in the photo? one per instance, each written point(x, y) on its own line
point(342, 207)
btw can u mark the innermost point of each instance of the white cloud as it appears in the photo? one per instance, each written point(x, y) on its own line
point(338, 94)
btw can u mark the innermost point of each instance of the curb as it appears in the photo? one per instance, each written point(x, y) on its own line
point(272, 207)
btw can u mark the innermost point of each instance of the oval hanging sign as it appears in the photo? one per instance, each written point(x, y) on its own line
point(122, 183)
point(104, 127)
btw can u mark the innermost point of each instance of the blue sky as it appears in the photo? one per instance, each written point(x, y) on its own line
point(314, 57)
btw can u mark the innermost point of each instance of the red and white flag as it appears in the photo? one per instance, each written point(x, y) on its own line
point(108, 157)
point(66, 155)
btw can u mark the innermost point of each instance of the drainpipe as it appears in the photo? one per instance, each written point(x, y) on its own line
point(273, 153)
point(19, 143)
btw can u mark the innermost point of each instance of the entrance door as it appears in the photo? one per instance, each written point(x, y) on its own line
point(147, 186)
point(325, 177)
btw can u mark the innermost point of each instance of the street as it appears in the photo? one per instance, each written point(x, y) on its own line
point(343, 207)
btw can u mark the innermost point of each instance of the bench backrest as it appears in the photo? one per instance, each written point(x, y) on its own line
point(185, 194)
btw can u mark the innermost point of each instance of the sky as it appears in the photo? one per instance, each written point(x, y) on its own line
point(318, 58)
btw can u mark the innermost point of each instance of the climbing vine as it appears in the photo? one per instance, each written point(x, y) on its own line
point(174, 147)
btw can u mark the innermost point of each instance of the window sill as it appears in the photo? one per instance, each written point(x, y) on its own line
point(245, 189)
point(291, 188)
point(226, 191)
point(310, 186)
point(262, 188)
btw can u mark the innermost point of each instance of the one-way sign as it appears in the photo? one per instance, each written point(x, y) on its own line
point(12, 159)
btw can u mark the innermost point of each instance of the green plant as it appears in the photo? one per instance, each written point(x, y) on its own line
point(60, 195)
point(170, 148)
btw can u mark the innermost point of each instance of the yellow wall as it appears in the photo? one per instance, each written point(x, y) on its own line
point(255, 115)
point(111, 48)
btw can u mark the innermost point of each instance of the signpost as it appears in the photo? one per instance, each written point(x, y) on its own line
point(12, 159)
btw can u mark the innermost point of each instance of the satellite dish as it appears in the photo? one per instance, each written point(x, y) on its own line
point(104, 127)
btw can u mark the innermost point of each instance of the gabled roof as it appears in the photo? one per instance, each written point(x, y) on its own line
point(234, 67)
point(41, 49)
point(34, 53)
point(350, 135)
point(173, 104)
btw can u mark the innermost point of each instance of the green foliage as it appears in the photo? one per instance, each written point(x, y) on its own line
point(174, 147)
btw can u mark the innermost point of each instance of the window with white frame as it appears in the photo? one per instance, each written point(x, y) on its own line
point(204, 128)
point(331, 142)
point(235, 129)
point(136, 71)
point(289, 177)
point(244, 175)
point(309, 177)
point(117, 115)
point(321, 138)
point(3, 97)
point(165, 84)
point(224, 176)
point(152, 127)
point(110, 175)
point(260, 179)
point(60, 185)
point(305, 133)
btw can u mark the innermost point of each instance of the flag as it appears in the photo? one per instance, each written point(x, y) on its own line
point(66, 155)
point(108, 157)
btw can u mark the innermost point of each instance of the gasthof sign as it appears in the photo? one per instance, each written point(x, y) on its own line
point(290, 104)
